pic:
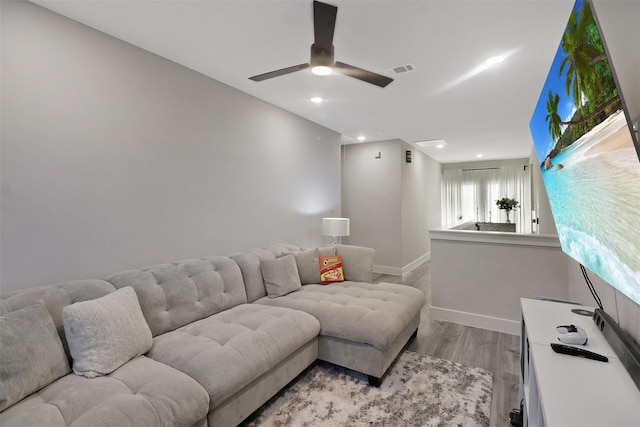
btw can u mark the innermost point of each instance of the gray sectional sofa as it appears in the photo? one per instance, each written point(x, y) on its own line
point(193, 343)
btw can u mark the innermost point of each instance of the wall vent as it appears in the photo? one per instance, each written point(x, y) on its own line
point(401, 69)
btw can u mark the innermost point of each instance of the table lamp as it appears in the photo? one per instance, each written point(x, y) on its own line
point(335, 227)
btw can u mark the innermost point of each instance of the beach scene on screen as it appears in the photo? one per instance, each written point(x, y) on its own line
point(589, 163)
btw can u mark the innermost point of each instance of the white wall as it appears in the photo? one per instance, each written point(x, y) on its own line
point(478, 278)
point(114, 158)
point(621, 308)
point(540, 200)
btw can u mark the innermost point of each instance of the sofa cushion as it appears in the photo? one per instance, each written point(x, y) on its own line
point(141, 393)
point(249, 263)
point(326, 250)
point(176, 294)
point(280, 276)
point(362, 312)
point(357, 262)
point(229, 350)
point(31, 354)
point(105, 333)
point(307, 263)
point(56, 297)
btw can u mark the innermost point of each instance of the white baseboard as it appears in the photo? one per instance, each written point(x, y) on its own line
point(476, 320)
point(396, 271)
point(415, 263)
point(383, 269)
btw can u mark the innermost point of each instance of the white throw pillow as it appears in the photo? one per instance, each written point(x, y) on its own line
point(105, 333)
point(280, 276)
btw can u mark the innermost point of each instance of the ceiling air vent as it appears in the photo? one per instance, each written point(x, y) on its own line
point(400, 69)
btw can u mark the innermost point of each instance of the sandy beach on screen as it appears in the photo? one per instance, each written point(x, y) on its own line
point(615, 140)
point(619, 140)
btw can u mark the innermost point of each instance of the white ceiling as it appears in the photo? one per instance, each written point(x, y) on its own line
point(487, 113)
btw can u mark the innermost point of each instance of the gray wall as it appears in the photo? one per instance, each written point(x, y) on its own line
point(371, 197)
point(620, 24)
point(114, 158)
point(392, 204)
point(421, 182)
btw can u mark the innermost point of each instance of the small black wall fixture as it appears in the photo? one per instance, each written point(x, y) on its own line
point(407, 156)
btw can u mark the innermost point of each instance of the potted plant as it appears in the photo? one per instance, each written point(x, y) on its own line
point(507, 204)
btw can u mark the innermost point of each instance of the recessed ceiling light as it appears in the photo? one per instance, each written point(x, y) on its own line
point(478, 155)
point(316, 100)
point(362, 138)
point(439, 143)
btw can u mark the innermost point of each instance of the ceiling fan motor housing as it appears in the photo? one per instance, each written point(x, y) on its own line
point(320, 56)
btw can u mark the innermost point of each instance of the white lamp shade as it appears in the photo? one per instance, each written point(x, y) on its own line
point(335, 227)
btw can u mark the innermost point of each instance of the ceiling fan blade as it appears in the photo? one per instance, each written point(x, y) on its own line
point(276, 73)
point(324, 23)
point(360, 74)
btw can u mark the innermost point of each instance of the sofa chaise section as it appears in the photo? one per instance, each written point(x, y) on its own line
point(241, 353)
point(363, 326)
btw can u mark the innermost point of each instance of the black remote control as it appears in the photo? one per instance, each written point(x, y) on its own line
point(575, 351)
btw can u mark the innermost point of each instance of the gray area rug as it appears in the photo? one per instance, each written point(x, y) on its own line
point(418, 391)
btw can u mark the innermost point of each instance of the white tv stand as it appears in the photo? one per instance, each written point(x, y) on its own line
point(561, 390)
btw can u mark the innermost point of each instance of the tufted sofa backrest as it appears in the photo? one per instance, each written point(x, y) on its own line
point(56, 297)
point(175, 294)
point(249, 262)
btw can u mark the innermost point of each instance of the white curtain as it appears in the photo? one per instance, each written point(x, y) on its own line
point(471, 195)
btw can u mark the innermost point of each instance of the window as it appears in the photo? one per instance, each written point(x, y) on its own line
point(470, 195)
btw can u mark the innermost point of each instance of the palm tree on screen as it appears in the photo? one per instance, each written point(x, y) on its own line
point(581, 55)
point(553, 118)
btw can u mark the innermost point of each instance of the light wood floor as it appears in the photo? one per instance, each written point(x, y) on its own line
point(496, 352)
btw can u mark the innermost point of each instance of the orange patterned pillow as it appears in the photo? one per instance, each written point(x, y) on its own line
point(331, 269)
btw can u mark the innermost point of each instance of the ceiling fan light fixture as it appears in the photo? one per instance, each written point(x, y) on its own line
point(321, 70)
point(321, 60)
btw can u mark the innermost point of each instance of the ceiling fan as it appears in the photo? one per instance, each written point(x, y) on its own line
point(322, 55)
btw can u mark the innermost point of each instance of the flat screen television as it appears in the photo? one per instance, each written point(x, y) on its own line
point(589, 156)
